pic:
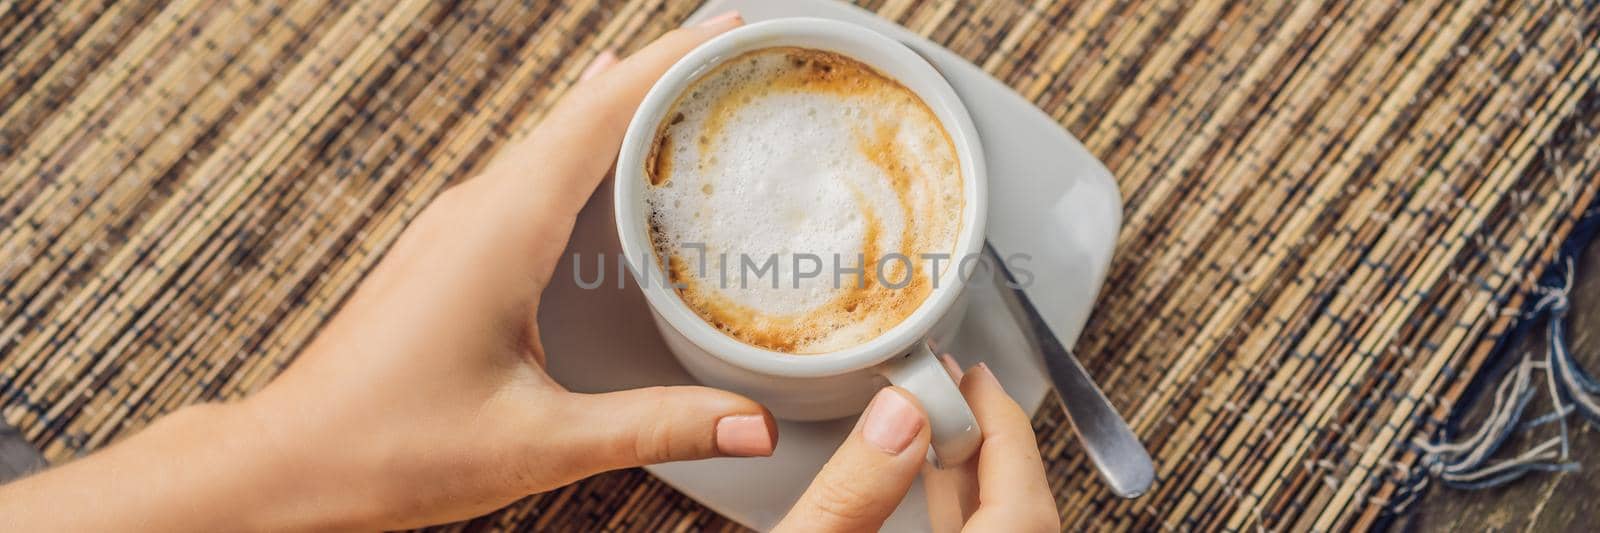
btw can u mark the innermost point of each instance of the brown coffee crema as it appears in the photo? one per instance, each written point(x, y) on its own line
point(784, 151)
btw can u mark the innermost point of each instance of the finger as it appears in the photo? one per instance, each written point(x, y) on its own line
point(1012, 490)
point(952, 495)
point(663, 424)
point(562, 160)
point(870, 473)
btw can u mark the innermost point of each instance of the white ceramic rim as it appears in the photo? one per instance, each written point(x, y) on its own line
point(910, 70)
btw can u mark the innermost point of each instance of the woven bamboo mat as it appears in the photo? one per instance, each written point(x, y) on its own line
point(1333, 209)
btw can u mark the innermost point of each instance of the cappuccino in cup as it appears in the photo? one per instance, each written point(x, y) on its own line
point(801, 201)
point(795, 197)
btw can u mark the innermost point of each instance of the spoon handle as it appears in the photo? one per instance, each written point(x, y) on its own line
point(1117, 454)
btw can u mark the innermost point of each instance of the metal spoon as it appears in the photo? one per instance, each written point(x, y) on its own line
point(1112, 446)
point(1116, 452)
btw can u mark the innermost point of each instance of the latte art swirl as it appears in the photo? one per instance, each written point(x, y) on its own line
point(796, 196)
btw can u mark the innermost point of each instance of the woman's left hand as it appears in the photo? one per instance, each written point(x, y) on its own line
point(429, 386)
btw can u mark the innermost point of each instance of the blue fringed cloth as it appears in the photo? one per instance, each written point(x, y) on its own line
point(1464, 458)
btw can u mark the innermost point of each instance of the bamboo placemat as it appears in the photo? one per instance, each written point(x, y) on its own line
point(1333, 210)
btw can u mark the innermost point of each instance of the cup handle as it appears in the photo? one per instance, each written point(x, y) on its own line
point(955, 431)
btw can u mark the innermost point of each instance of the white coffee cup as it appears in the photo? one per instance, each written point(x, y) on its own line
point(840, 383)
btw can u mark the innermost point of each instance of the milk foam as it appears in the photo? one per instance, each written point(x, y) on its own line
point(788, 151)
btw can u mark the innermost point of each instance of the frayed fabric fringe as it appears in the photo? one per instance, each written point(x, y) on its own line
point(1470, 462)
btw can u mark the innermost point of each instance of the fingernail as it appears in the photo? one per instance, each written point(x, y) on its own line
point(951, 366)
point(987, 375)
point(745, 436)
point(719, 20)
point(600, 63)
point(892, 422)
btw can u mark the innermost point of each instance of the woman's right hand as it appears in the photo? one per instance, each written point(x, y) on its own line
point(1002, 489)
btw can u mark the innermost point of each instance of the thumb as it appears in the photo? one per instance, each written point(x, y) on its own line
point(866, 479)
point(662, 424)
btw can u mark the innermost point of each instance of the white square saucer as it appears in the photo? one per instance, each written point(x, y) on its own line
point(1050, 199)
